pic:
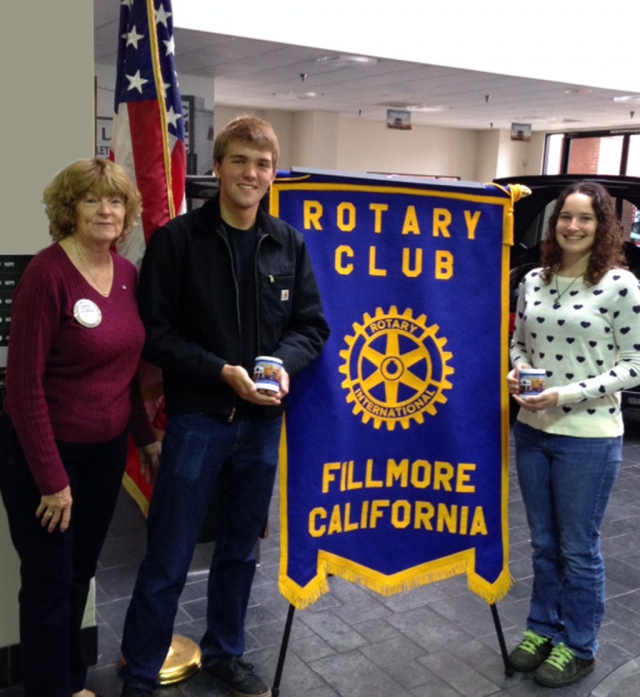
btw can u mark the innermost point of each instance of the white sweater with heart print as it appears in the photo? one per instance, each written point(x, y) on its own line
point(587, 338)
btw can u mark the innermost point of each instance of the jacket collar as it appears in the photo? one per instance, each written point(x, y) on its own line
point(210, 212)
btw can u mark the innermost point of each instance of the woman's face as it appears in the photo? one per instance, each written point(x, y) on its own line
point(576, 226)
point(99, 219)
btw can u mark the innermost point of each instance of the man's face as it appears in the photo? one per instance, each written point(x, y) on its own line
point(244, 176)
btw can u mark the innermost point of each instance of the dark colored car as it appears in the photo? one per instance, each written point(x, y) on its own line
point(531, 220)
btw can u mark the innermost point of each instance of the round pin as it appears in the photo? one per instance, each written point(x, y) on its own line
point(87, 313)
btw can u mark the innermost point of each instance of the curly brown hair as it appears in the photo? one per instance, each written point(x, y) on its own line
point(608, 247)
point(98, 176)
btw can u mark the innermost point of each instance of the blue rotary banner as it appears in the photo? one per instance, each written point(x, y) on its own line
point(395, 470)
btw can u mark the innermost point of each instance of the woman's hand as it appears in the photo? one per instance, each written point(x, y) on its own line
point(55, 510)
point(513, 378)
point(150, 461)
point(545, 400)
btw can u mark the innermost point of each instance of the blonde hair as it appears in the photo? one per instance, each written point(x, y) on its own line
point(97, 176)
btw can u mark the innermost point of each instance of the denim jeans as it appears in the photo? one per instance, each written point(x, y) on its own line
point(566, 483)
point(56, 568)
point(198, 454)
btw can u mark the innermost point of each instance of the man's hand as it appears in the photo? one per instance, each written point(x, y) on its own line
point(150, 461)
point(55, 509)
point(284, 384)
point(238, 379)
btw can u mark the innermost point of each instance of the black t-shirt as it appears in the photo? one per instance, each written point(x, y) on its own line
point(243, 244)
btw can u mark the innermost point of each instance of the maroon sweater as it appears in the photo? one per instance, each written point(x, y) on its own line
point(66, 381)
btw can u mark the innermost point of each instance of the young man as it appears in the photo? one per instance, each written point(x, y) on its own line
point(218, 286)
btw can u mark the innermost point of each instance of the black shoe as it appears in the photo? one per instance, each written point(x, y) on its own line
point(531, 653)
point(130, 691)
point(238, 676)
point(563, 668)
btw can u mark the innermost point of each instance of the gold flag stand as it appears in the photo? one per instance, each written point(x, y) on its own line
point(182, 661)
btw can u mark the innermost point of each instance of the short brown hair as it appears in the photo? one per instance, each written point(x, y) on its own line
point(608, 247)
point(255, 132)
point(98, 176)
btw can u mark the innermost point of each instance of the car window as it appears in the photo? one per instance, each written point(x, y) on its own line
point(635, 229)
point(536, 231)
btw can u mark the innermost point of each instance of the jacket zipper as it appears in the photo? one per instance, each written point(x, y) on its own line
point(235, 282)
point(257, 287)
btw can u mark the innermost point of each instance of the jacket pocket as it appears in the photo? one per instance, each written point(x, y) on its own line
point(276, 299)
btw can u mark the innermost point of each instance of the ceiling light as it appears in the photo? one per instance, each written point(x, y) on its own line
point(296, 95)
point(423, 108)
point(628, 99)
point(578, 90)
point(344, 61)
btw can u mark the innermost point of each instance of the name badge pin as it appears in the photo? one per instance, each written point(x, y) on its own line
point(87, 313)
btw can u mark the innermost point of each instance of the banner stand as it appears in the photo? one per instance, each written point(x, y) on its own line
point(275, 689)
point(399, 495)
point(508, 668)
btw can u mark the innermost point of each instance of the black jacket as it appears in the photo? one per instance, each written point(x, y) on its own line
point(188, 300)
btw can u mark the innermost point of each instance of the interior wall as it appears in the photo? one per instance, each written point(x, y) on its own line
point(487, 155)
point(535, 159)
point(369, 146)
point(55, 122)
point(55, 126)
point(512, 156)
point(315, 139)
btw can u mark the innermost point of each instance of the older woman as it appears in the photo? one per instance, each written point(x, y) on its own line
point(72, 397)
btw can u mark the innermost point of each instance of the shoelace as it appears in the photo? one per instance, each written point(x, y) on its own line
point(532, 642)
point(559, 657)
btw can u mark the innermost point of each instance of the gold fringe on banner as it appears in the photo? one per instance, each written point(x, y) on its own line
point(407, 580)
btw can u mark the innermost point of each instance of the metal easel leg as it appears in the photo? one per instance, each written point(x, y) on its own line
point(275, 690)
point(508, 669)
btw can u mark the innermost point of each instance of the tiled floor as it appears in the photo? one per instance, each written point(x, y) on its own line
point(436, 641)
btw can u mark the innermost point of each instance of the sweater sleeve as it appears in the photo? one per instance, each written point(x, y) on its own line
point(625, 341)
point(35, 322)
point(518, 346)
point(139, 424)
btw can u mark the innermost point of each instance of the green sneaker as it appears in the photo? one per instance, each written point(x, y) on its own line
point(563, 668)
point(531, 653)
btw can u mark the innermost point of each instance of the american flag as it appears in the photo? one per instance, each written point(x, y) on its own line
point(148, 137)
point(148, 141)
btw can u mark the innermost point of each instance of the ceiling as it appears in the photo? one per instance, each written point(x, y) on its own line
point(264, 75)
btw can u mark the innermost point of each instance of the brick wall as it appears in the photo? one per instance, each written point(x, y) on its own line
point(584, 155)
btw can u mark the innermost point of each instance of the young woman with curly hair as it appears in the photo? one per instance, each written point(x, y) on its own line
point(578, 319)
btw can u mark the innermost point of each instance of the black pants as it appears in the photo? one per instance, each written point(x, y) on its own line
point(56, 568)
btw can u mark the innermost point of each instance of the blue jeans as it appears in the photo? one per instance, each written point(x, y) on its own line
point(566, 483)
point(198, 454)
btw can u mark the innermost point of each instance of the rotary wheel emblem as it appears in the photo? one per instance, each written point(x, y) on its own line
point(396, 368)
